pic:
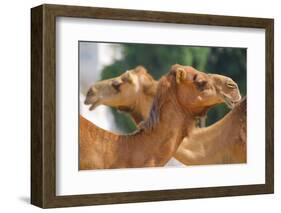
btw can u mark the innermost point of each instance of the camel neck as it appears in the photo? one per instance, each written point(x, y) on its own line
point(141, 108)
point(158, 141)
point(140, 111)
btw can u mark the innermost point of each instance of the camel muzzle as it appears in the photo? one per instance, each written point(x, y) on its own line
point(91, 99)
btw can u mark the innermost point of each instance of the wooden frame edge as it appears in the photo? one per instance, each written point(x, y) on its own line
point(43, 104)
point(36, 106)
point(269, 121)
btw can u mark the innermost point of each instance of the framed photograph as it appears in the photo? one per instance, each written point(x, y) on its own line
point(135, 106)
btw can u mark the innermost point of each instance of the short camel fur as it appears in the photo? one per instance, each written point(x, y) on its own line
point(209, 145)
point(182, 94)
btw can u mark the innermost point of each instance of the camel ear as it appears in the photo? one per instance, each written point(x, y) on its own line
point(140, 68)
point(130, 78)
point(180, 75)
point(127, 77)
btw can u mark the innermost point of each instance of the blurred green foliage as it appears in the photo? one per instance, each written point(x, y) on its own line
point(158, 59)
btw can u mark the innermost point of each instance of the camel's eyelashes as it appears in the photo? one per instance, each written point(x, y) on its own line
point(231, 85)
point(195, 77)
point(90, 93)
point(201, 85)
point(116, 85)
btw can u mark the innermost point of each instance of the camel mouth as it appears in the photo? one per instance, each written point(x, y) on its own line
point(93, 106)
point(93, 102)
point(231, 103)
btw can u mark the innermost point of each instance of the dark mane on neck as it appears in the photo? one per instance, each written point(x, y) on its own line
point(165, 93)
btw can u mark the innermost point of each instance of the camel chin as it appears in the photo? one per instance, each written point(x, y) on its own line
point(93, 106)
point(92, 101)
point(231, 103)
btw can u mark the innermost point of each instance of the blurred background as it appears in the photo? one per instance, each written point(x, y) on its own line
point(99, 61)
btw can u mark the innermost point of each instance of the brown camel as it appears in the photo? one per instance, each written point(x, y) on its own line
point(182, 94)
point(205, 145)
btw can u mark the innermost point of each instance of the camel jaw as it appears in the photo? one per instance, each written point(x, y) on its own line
point(231, 103)
point(93, 102)
point(93, 106)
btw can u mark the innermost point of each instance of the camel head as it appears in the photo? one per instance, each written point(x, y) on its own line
point(123, 91)
point(227, 89)
point(196, 91)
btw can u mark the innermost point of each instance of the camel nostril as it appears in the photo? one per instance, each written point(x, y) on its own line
point(86, 102)
point(90, 93)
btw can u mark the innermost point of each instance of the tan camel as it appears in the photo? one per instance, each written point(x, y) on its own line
point(219, 143)
point(182, 94)
point(223, 142)
point(131, 92)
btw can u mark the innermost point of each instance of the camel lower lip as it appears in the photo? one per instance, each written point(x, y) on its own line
point(91, 101)
point(87, 102)
point(92, 107)
point(230, 104)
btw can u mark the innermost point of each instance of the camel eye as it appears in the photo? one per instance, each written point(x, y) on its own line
point(116, 85)
point(201, 85)
point(195, 77)
point(231, 85)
